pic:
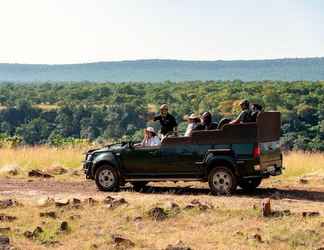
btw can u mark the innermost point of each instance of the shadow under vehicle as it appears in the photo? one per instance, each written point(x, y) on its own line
point(237, 155)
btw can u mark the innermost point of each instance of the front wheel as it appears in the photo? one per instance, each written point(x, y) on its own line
point(222, 181)
point(250, 184)
point(107, 179)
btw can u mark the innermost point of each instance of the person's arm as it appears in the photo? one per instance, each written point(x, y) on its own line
point(239, 119)
point(156, 141)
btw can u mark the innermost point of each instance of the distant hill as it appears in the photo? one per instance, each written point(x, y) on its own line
point(174, 70)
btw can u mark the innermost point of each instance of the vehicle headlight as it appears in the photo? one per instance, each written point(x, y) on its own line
point(88, 157)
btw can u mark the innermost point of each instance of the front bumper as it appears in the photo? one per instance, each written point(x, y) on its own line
point(87, 167)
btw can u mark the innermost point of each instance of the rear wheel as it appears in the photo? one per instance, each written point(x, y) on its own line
point(107, 178)
point(138, 185)
point(222, 181)
point(250, 184)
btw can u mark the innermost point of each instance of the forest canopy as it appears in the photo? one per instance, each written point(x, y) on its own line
point(47, 112)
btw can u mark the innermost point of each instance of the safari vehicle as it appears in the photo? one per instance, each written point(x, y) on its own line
point(237, 155)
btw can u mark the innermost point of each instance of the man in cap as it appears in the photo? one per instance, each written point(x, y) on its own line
point(167, 121)
point(245, 115)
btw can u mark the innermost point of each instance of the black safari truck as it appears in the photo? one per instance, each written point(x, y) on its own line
point(237, 155)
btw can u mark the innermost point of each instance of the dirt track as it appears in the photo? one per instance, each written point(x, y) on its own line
point(51, 187)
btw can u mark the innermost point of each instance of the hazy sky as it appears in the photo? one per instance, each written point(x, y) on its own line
point(72, 31)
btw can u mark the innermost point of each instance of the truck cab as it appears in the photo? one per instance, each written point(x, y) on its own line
point(236, 155)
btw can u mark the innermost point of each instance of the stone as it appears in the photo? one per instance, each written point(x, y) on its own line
point(64, 226)
point(90, 201)
point(4, 230)
point(266, 207)
point(28, 234)
point(4, 243)
point(56, 170)
point(7, 218)
point(303, 180)
point(75, 203)
point(45, 202)
point(158, 214)
point(121, 241)
point(37, 231)
point(258, 238)
point(310, 214)
point(200, 205)
point(114, 202)
point(9, 170)
point(39, 173)
point(8, 203)
point(50, 214)
point(61, 202)
point(178, 246)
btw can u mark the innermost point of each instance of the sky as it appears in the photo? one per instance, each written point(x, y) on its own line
point(80, 31)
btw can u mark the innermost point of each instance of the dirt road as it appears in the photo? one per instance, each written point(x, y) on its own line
point(51, 187)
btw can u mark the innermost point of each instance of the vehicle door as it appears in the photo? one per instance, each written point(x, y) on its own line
point(141, 160)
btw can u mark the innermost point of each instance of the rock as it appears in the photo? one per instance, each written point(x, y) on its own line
point(8, 203)
point(75, 216)
point(114, 202)
point(50, 214)
point(178, 246)
point(90, 201)
point(120, 241)
point(158, 214)
point(9, 170)
point(56, 170)
point(64, 226)
point(45, 202)
point(266, 207)
point(28, 234)
point(200, 205)
point(4, 243)
point(173, 207)
point(61, 202)
point(258, 238)
point(75, 203)
point(39, 173)
point(37, 231)
point(7, 218)
point(4, 230)
point(310, 214)
point(303, 181)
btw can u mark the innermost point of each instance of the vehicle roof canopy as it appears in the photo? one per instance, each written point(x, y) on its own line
point(267, 128)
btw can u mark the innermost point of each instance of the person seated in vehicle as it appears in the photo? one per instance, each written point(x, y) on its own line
point(243, 117)
point(206, 122)
point(150, 138)
point(167, 121)
point(193, 122)
point(256, 110)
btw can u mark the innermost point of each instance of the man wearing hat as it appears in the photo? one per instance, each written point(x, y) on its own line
point(167, 121)
point(193, 122)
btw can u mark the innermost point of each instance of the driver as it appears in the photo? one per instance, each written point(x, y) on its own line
point(150, 138)
point(167, 121)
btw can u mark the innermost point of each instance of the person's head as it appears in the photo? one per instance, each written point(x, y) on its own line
point(206, 118)
point(150, 132)
point(257, 107)
point(244, 104)
point(164, 109)
point(193, 119)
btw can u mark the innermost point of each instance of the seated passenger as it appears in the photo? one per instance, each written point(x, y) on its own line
point(150, 138)
point(206, 122)
point(245, 115)
point(256, 110)
point(193, 122)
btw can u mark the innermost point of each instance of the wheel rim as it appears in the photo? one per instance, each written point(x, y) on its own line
point(222, 181)
point(106, 178)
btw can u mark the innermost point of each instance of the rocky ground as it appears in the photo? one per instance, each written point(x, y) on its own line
point(44, 213)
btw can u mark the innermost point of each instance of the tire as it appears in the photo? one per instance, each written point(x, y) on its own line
point(139, 185)
point(250, 184)
point(107, 179)
point(222, 181)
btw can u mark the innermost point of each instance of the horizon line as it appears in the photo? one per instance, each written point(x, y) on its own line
point(169, 59)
